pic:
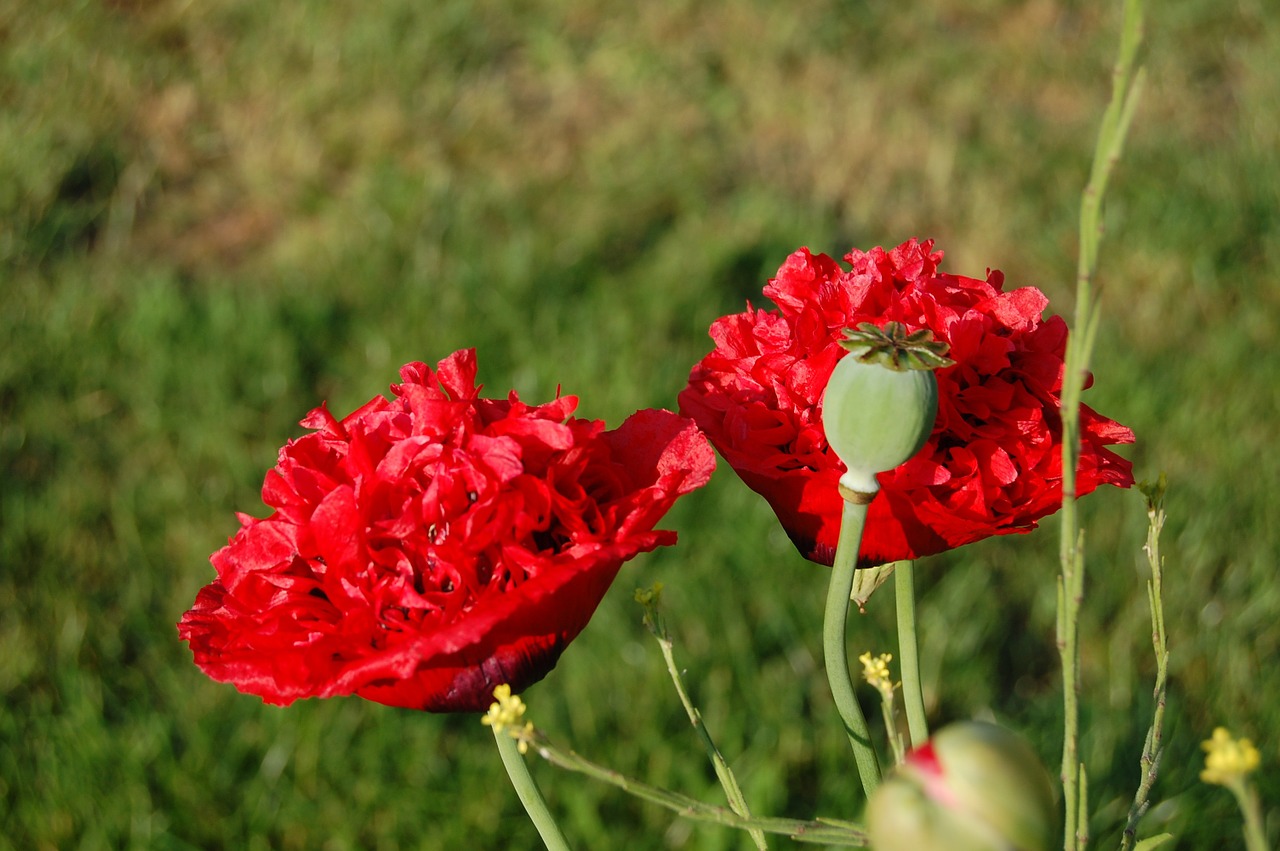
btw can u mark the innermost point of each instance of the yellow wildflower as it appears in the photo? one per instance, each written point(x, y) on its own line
point(876, 672)
point(1228, 760)
point(505, 714)
point(651, 596)
point(506, 711)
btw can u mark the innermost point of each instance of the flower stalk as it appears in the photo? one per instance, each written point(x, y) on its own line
point(909, 652)
point(825, 831)
point(875, 670)
point(878, 410)
point(1255, 835)
point(1127, 84)
point(1229, 762)
point(650, 599)
point(835, 645)
point(1153, 748)
point(505, 716)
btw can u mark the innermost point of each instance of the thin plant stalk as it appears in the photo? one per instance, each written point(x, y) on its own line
point(534, 804)
point(835, 645)
point(1255, 834)
point(831, 832)
point(1153, 748)
point(876, 671)
point(909, 653)
point(1126, 86)
point(891, 724)
point(728, 781)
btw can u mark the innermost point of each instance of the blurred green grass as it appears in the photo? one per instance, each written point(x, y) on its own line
point(214, 215)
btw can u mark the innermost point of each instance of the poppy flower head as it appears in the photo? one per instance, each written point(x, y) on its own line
point(427, 548)
point(992, 464)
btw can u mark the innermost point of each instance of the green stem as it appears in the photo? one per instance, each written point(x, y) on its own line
point(1070, 595)
point(909, 653)
point(1153, 748)
point(835, 646)
point(527, 789)
point(832, 832)
point(1255, 835)
point(728, 781)
point(891, 725)
point(1126, 86)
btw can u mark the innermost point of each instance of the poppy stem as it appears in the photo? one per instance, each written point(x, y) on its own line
point(527, 789)
point(908, 651)
point(835, 646)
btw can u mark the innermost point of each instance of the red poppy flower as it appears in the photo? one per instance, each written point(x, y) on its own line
point(424, 549)
point(993, 463)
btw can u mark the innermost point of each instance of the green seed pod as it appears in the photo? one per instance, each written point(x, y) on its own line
point(881, 400)
point(972, 787)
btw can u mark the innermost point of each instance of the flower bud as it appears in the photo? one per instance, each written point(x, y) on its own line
point(972, 787)
point(880, 403)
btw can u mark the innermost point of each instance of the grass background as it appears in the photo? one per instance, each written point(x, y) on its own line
point(214, 215)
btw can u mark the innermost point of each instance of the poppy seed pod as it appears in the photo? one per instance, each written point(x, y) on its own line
point(972, 787)
point(881, 401)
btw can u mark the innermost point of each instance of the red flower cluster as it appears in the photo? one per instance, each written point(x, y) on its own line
point(425, 549)
point(993, 463)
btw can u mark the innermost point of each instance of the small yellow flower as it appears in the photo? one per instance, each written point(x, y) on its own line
point(523, 736)
point(651, 596)
point(1228, 760)
point(876, 672)
point(506, 711)
point(505, 714)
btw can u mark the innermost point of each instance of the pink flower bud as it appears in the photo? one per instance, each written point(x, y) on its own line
point(972, 787)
